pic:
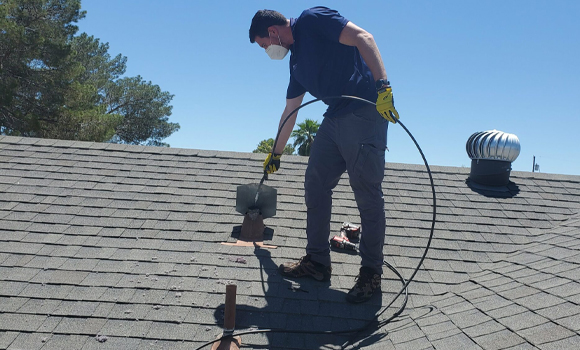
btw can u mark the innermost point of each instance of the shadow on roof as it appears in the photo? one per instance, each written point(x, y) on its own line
point(283, 308)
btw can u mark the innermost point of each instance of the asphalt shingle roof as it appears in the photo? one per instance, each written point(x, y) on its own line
point(123, 242)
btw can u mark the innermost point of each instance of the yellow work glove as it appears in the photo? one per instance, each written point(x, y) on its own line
point(386, 104)
point(272, 163)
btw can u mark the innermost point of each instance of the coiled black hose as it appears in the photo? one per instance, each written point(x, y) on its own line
point(404, 282)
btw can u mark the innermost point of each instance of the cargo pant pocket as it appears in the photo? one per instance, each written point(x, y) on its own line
point(370, 163)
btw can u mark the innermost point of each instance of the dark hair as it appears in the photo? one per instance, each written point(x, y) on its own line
point(263, 20)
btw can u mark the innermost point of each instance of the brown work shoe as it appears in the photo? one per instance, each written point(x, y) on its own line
point(367, 282)
point(306, 267)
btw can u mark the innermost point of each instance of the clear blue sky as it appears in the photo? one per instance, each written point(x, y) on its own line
point(456, 67)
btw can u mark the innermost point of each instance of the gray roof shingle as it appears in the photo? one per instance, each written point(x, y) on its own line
point(123, 241)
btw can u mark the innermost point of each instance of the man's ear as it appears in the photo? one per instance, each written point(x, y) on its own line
point(273, 30)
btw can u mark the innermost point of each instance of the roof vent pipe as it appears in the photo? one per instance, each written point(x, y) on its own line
point(492, 153)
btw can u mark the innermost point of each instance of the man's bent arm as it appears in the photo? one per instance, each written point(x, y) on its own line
point(291, 104)
point(352, 35)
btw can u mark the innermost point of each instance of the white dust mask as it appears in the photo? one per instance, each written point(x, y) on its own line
point(276, 52)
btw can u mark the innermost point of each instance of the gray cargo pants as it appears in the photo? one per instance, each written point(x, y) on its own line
point(355, 142)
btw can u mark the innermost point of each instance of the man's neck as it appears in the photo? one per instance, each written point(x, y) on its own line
point(286, 33)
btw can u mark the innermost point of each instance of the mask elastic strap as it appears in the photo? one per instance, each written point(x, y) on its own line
point(270, 36)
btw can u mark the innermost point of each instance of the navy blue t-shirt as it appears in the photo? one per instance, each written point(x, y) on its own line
point(322, 66)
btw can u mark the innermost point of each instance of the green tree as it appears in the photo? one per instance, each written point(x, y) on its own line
point(265, 146)
point(142, 107)
point(304, 136)
point(57, 85)
point(34, 45)
point(85, 115)
point(81, 121)
point(145, 110)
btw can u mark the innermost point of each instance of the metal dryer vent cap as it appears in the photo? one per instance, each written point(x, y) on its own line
point(492, 153)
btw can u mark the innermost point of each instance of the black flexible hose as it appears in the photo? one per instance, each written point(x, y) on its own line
point(405, 282)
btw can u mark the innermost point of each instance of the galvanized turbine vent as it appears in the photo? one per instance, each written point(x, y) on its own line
point(492, 153)
point(493, 145)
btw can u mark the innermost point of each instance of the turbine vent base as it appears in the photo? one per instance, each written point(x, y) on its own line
point(490, 172)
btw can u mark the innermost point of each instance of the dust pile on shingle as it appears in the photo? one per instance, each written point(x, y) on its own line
point(101, 338)
point(238, 260)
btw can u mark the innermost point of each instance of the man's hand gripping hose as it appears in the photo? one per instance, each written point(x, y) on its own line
point(394, 118)
point(386, 104)
point(271, 165)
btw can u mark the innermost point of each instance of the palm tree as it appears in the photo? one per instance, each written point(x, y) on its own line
point(304, 136)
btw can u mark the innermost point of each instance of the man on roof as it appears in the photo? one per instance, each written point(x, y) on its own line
point(331, 56)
